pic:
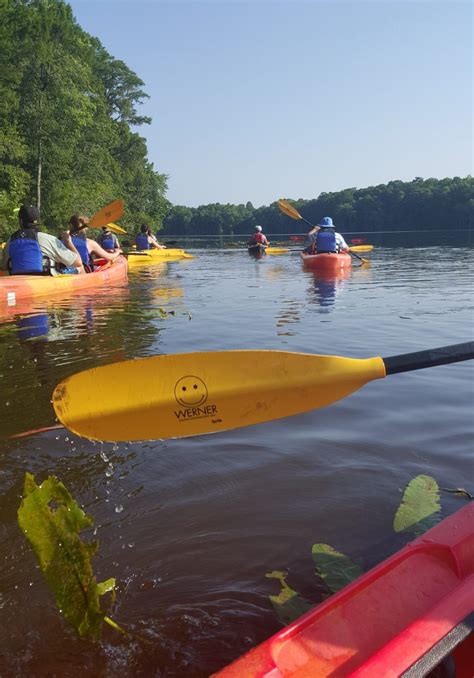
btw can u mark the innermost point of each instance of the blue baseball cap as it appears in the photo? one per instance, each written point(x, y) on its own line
point(326, 222)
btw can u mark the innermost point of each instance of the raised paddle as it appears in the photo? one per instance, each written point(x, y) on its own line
point(290, 211)
point(172, 396)
point(107, 214)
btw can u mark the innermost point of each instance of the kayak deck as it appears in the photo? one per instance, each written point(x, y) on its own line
point(393, 616)
point(154, 255)
point(326, 262)
point(15, 288)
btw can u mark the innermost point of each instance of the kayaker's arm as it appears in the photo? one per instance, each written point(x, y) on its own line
point(95, 248)
point(67, 241)
point(4, 259)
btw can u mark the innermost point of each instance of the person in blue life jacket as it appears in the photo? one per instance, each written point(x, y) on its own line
point(86, 246)
point(29, 251)
point(145, 240)
point(324, 239)
point(108, 240)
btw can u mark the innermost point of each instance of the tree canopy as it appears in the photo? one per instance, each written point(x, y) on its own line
point(68, 112)
point(420, 204)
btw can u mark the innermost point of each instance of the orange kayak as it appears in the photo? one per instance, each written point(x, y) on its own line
point(330, 263)
point(406, 616)
point(17, 288)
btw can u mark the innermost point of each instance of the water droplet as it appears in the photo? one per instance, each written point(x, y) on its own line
point(66, 439)
point(110, 470)
point(7, 403)
point(103, 456)
point(131, 544)
point(119, 508)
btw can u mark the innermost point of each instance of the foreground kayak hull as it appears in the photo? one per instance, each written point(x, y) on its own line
point(404, 615)
point(330, 263)
point(17, 288)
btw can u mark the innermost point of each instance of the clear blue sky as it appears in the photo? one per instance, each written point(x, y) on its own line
point(262, 99)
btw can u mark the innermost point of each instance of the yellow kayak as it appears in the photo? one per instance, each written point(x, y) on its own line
point(152, 256)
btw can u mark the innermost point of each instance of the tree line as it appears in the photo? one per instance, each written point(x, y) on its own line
point(68, 114)
point(68, 111)
point(421, 204)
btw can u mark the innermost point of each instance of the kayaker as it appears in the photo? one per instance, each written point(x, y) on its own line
point(325, 239)
point(145, 240)
point(31, 252)
point(86, 246)
point(108, 240)
point(258, 238)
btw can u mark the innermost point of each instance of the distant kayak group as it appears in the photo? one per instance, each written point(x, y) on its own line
point(327, 250)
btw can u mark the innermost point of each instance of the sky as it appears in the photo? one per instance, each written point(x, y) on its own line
point(261, 99)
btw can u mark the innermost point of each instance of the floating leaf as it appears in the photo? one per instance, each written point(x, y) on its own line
point(288, 604)
point(335, 569)
point(51, 521)
point(420, 506)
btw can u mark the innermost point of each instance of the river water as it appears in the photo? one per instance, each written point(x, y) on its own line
point(190, 527)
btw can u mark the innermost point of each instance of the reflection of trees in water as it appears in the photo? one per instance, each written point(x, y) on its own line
point(61, 338)
point(289, 315)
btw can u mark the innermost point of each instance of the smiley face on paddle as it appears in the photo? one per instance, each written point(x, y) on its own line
point(190, 391)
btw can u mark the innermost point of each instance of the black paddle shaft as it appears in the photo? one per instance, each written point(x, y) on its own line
point(431, 358)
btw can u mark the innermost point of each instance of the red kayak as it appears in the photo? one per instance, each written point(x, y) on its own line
point(405, 617)
point(326, 262)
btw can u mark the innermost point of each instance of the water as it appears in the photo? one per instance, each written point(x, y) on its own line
point(189, 527)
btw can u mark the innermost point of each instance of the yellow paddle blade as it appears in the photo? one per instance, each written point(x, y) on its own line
point(288, 209)
point(361, 248)
point(194, 393)
point(277, 250)
point(116, 229)
point(107, 214)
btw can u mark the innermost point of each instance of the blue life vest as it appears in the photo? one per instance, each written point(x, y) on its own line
point(326, 241)
point(141, 241)
point(25, 253)
point(81, 246)
point(107, 242)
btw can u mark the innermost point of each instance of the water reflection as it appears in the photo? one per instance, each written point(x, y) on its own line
point(327, 287)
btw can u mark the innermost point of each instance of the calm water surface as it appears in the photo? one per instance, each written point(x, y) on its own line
point(190, 527)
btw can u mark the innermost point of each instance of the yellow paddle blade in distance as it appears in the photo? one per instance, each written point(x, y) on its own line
point(107, 214)
point(115, 228)
point(288, 209)
point(361, 248)
point(194, 393)
point(277, 250)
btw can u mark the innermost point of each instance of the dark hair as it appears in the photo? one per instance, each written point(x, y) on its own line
point(144, 228)
point(28, 215)
point(75, 222)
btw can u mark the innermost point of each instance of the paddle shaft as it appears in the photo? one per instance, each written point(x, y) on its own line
point(430, 358)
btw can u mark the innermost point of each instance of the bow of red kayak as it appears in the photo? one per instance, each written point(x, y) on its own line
point(15, 288)
point(407, 613)
point(329, 263)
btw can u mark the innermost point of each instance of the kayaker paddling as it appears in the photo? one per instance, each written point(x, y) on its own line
point(86, 246)
point(325, 240)
point(258, 238)
point(145, 240)
point(32, 252)
point(108, 240)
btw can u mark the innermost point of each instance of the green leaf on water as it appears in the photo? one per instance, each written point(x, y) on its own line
point(335, 569)
point(420, 506)
point(288, 604)
point(51, 520)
